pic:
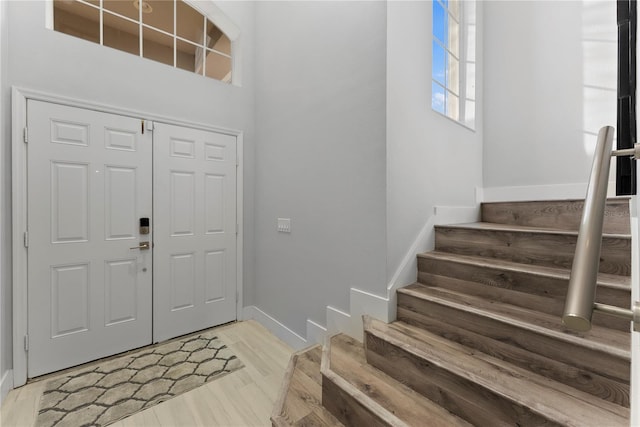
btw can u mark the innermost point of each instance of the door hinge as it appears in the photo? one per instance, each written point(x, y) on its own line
point(149, 125)
point(26, 239)
point(25, 135)
point(26, 343)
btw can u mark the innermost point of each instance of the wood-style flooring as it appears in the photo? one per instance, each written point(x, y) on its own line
point(243, 398)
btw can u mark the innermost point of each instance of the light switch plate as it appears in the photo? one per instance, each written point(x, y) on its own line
point(284, 225)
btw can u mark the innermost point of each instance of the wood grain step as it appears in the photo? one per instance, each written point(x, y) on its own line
point(527, 245)
point(525, 285)
point(299, 403)
point(597, 362)
point(559, 214)
point(360, 395)
point(482, 389)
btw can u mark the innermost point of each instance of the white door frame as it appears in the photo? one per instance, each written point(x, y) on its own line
point(19, 97)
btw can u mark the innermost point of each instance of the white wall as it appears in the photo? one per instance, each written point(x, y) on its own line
point(6, 381)
point(550, 82)
point(431, 160)
point(44, 60)
point(320, 156)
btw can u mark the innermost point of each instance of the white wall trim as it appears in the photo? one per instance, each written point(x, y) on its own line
point(6, 384)
point(19, 203)
point(240, 222)
point(406, 272)
point(337, 320)
point(361, 302)
point(277, 328)
point(316, 333)
point(540, 192)
point(19, 226)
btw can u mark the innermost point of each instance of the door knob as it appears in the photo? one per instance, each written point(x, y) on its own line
point(142, 246)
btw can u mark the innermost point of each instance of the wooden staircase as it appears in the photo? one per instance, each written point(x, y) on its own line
point(478, 339)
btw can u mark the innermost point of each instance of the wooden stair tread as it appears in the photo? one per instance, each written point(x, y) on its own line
point(564, 214)
point(614, 281)
point(615, 343)
point(563, 404)
point(528, 245)
point(300, 400)
point(376, 390)
point(491, 226)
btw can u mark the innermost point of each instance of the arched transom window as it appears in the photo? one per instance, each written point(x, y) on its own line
point(167, 31)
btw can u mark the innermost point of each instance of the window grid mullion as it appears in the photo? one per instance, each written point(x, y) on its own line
point(445, 48)
point(204, 44)
point(101, 22)
point(140, 30)
point(462, 65)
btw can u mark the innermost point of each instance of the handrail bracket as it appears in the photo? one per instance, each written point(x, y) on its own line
point(633, 315)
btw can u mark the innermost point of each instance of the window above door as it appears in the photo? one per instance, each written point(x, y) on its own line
point(167, 31)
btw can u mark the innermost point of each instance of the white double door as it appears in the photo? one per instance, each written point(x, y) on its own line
point(97, 284)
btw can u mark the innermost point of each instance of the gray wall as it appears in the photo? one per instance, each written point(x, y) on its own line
point(5, 190)
point(431, 160)
point(320, 150)
point(550, 83)
point(44, 60)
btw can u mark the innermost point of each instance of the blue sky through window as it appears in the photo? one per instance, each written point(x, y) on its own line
point(438, 69)
point(439, 55)
point(440, 23)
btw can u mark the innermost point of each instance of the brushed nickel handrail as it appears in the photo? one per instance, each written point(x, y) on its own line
point(580, 302)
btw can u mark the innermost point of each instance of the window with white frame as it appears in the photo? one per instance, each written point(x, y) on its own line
point(167, 31)
point(453, 67)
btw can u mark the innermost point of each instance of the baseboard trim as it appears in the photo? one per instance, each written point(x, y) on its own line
point(406, 273)
point(316, 333)
point(277, 328)
point(540, 192)
point(337, 321)
point(6, 384)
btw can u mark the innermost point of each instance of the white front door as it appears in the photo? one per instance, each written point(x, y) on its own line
point(89, 183)
point(195, 230)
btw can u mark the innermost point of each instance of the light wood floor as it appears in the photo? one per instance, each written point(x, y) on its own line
point(242, 398)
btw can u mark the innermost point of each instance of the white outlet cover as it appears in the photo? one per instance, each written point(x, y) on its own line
point(284, 225)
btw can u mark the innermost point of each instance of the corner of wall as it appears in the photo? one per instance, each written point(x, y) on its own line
point(278, 329)
point(6, 384)
point(406, 272)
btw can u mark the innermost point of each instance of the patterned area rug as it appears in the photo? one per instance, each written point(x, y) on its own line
point(111, 390)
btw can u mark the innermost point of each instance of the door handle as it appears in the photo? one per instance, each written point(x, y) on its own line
point(142, 246)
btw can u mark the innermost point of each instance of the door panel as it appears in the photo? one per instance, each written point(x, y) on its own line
point(89, 180)
point(195, 235)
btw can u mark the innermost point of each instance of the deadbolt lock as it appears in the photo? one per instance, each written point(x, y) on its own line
point(144, 225)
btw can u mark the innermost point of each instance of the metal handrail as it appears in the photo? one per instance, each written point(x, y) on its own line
point(580, 302)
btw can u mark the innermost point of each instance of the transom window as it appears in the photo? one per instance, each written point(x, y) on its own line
point(453, 60)
point(167, 31)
